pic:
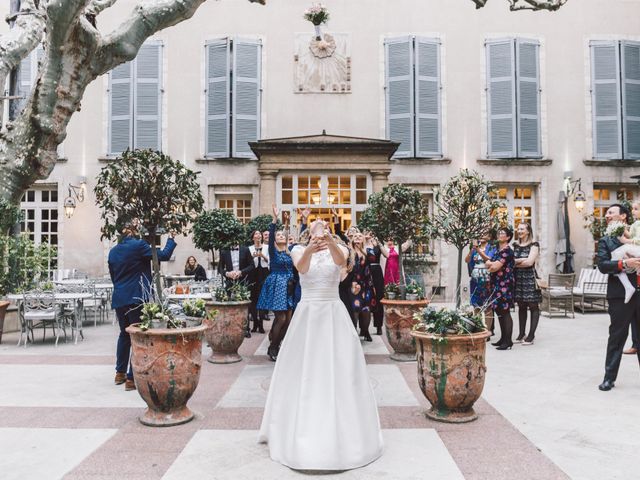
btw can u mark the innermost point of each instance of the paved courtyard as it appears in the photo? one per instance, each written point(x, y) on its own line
point(541, 415)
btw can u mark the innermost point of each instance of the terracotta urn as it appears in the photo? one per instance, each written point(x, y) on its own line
point(399, 321)
point(226, 330)
point(451, 371)
point(3, 310)
point(166, 368)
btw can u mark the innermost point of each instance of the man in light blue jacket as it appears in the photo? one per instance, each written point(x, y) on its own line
point(130, 269)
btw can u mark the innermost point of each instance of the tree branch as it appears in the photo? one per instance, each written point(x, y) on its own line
point(515, 5)
point(97, 6)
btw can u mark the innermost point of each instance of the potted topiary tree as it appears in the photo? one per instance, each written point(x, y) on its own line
point(217, 230)
point(164, 195)
point(451, 342)
point(398, 213)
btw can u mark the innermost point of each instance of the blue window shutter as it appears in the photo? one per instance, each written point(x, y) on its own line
point(218, 107)
point(631, 99)
point(245, 126)
point(148, 96)
point(399, 99)
point(120, 108)
point(501, 98)
point(605, 99)
point(428, 98)
point(528, 100)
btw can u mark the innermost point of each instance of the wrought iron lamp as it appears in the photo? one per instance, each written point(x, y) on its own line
point(76, 193)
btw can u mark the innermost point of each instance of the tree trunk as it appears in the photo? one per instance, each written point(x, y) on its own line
point(403, 280)
point(459, 279)
point(155, 263)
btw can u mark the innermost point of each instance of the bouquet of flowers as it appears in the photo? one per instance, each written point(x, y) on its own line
point(615, 229)
point(317, 14)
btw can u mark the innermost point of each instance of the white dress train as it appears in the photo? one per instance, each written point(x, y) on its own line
point(321, 412)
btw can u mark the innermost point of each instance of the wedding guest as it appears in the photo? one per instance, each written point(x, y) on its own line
point(362, 289)
point(278, 291)
point(260, 254)
point(527, 294)
point(236, 265)
point(621, 314)
point(480, 278)
point(501, 267)
point(345, 272)
point(392, 264)
point(372, 248)
point(192, 267)
point(130, 271)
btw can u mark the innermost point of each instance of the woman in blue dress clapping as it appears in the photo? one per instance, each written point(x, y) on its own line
point(278, 290)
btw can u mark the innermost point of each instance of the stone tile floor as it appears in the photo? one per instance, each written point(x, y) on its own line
point(541, 415)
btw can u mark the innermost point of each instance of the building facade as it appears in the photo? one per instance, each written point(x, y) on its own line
point(243, 93)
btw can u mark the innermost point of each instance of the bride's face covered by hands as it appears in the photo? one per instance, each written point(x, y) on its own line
point(317, 231)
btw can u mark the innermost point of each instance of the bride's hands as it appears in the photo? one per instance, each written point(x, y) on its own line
point(317, 244)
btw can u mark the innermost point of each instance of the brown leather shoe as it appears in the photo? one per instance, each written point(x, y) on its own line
point(630, 351)
point(129, 384)
point(120, 378)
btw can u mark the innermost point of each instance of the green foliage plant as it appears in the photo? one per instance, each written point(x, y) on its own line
point(392, 288)
point(217, 229)
point(150, 186)
point(464, 210)
point(397, 213)
point(446, 321)
point(23, 264)
point(194, 308)
point(414, 289)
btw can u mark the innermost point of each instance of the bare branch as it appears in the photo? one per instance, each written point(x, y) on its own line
point(97, 6)
point(515, 5)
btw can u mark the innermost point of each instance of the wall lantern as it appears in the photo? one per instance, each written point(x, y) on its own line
point(76, 194)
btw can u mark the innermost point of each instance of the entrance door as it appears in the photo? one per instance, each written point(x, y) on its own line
point(346, 193)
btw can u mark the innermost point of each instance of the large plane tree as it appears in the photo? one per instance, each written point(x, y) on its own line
point(76, 52)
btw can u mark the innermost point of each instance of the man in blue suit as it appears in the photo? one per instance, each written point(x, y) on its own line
point(130, 269)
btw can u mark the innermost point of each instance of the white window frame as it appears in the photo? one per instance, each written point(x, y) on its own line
point(38, 206)
point(235, 198)
point(511, 203)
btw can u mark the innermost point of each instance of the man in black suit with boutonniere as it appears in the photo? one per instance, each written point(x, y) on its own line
point(235, 266)
point(622, 314)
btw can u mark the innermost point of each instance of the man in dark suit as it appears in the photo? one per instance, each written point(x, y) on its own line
point(130, 270)
point(236, 265)
point(622, 314)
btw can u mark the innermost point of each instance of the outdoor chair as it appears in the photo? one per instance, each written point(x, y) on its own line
point(97, 303)
point(39, 310)
point(557, 294)
point(591, 291)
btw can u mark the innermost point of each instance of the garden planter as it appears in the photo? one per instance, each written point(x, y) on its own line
point(451, 374)
point(166, 368)
point(226, 330)
point(3, 311)
point(399, 321)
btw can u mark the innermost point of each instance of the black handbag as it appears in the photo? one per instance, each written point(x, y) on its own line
point(291, 287)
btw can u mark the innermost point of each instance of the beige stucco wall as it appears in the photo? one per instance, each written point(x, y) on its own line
point(566, 127)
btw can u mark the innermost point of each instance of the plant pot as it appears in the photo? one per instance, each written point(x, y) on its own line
point(166, 368)
point(412, 297)
point(3, 310)
point(451, 374)
point(226, 331)
point(399, 321)
point(391, 296)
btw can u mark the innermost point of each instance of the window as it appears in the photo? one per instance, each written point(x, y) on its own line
point(346, 193)
point(239, 206)
point(40, 218)
point(135, 101)
point(413, 96)
point(519, 205)
point(615, 98)
point(606, 195)
point(233, 95)
point(513, 98)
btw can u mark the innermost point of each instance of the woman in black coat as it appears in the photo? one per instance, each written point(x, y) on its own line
point(193, 268)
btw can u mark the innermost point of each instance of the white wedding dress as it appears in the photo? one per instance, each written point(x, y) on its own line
point(321, 412)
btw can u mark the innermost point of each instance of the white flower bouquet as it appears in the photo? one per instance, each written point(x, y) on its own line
point(317, 14)
point(615, 229)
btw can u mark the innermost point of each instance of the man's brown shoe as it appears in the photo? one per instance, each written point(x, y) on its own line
point(120, 378)
point(630, 351)
point(129, 384)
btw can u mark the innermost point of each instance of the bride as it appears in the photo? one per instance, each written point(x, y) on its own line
point(321, 413)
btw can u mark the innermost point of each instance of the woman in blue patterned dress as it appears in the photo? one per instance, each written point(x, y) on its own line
point(480, 277)
point(278, 289)
point(502, 266)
